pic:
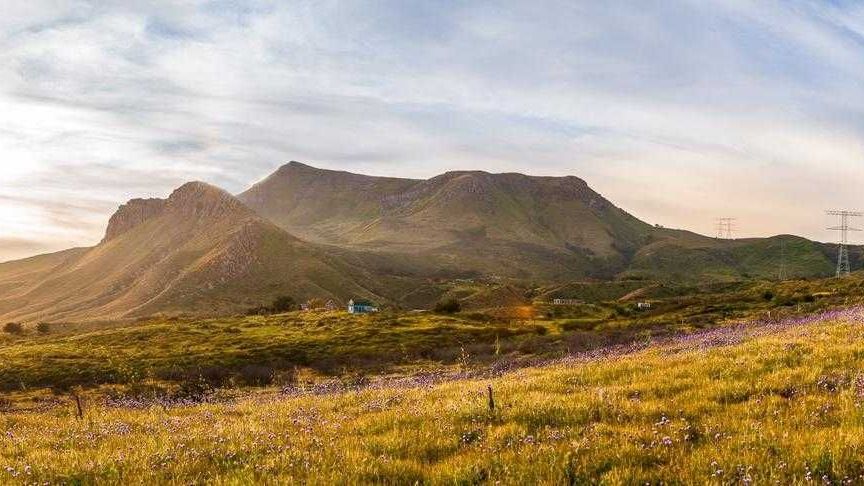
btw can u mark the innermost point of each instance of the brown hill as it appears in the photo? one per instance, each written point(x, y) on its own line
point(199, 251)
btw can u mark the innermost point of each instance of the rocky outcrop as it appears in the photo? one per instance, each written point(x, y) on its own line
point(132, 214)
point(201, 200)
point(196, 200)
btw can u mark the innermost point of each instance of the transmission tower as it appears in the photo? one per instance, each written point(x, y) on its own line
point(724, 228)
point(843, 267)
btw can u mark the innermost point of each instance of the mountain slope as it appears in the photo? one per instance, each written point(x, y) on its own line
point(199, 251)
point(460, 222)
point(511, 225)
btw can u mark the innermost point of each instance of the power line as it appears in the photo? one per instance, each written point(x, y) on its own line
point(724, 228)
point(843, 267)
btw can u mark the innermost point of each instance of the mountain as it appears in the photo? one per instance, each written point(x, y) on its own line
point(199, 251)
point(308, 232)
point(459, 223)
point(463, 224)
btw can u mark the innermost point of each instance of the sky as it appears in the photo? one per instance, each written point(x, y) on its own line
point(679, 111)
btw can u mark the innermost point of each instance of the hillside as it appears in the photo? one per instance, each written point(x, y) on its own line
point(467, 224)
point(461, 223)
point(199, 251)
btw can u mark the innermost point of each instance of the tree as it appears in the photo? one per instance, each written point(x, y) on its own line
point(13, 328)
point(282, 304)
point(43, 328)
point(448, 306)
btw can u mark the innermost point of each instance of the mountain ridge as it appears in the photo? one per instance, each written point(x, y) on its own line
point(200, 250)
point(506, 224)
point(309, 232)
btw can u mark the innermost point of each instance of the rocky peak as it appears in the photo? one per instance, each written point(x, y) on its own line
point(193, 199)
point(132, 214)
point(203, 200)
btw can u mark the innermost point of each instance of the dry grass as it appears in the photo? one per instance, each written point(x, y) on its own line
point(783, 407)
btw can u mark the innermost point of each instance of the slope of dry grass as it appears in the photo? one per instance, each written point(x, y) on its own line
point(779, 406)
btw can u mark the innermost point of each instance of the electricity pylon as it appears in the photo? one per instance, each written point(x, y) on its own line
point(724, 228)
point(843, 267)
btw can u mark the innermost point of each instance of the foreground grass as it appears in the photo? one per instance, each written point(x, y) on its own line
point(784, 407)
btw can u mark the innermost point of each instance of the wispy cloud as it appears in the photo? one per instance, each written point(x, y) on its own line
point(680, 111)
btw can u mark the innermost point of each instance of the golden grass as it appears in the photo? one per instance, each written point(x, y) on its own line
point(786, 408)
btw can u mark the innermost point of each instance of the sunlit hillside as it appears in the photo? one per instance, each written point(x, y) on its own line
point(778, 403)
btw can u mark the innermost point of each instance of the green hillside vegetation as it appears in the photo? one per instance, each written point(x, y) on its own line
point(252, 350)
point(777, 405)
point(160, 354)
point(721, 260)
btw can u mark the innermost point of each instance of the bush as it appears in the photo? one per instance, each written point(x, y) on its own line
point(256, 375)
point(43, 328)
point(282, 304)
point(768, 295)
point(13, 328)
point(196, 389)
point(449, 306)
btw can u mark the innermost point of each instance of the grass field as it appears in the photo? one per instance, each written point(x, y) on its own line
point(599, 392)
point(776, 404)
point(281, 349)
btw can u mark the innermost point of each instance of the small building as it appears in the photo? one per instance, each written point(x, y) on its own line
point(361, 307)
point(644, 306)
point(331, 306)
point(566, 302)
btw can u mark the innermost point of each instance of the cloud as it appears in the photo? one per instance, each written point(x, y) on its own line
point(680, 111)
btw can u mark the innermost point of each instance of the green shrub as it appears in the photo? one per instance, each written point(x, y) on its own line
point(448, 306)
point(282, 304)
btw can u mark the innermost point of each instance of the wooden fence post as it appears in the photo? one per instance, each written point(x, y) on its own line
point(78, 405)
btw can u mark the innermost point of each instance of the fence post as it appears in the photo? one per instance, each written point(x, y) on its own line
point(78, 405)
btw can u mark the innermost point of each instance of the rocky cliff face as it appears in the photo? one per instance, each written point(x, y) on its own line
point(194, 200)
point(132, 214)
